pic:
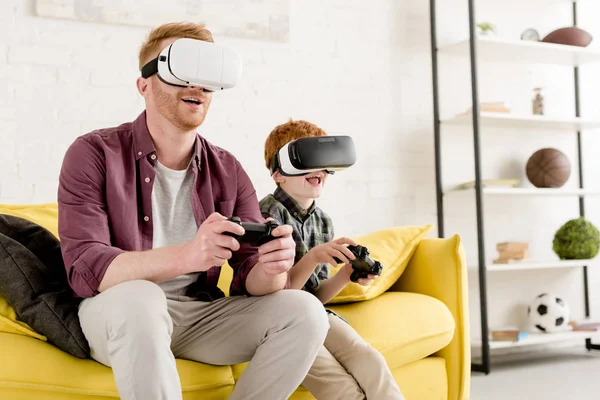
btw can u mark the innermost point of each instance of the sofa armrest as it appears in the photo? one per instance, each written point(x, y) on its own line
point(438, 269)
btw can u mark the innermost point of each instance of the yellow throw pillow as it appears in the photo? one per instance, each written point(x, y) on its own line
point(45, 215)
point(393, 248)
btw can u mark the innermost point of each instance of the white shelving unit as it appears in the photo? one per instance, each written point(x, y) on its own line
point(501, 50)
point(508, 120)
point(533, 265)
point(522, 191)
point(489, 49)
point(534, 339)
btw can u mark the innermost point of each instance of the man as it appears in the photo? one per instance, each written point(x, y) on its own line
point(142, 211)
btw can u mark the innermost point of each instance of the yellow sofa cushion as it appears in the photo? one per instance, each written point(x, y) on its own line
point(426, 379)
point(393, 248)
point(225, 278)
point(28, 364)
point(404, 327)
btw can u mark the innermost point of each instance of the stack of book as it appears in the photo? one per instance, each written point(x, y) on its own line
point(585, 325)
point(497, 183)
point(509, 334)
point(490, 106)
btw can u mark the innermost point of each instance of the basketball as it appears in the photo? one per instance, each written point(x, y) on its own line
point(548, 168)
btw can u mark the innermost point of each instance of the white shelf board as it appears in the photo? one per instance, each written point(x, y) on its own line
point(533, 265)
point(508, 120)
point(521, 191)
point(521, 51)
point(541, 338)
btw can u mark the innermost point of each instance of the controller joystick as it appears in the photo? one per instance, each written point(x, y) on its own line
point(363, 265)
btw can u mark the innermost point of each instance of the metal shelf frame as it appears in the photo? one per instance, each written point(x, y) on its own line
point(484, 366)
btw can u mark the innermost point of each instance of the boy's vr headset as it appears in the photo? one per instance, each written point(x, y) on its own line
point(309, 154)
point(190, 62)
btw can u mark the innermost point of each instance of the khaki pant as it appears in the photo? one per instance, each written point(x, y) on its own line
point(348, 368)
point(134, 329)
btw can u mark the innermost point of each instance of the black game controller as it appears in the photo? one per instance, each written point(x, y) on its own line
point(255, 234)
point(363, 265)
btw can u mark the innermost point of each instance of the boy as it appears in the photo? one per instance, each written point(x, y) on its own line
point(347, 367)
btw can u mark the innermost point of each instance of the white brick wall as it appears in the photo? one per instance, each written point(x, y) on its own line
point(354, 67)
point(63, 78)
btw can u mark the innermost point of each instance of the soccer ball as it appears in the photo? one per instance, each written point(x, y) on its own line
point(548, 313)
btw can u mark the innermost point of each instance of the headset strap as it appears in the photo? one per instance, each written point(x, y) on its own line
point(274, 164)
point(150, 68)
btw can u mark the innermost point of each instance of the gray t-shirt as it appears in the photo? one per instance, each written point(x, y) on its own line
point(174, 222)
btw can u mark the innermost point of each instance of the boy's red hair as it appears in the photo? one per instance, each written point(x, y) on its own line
point(287, 132)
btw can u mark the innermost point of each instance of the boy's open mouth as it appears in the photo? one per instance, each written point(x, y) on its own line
point(314, 179)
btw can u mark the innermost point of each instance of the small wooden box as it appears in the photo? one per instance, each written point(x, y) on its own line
point(511, 251)
point(512, 247)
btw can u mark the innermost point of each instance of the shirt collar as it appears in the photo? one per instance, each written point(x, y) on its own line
point(292, 205)
point(143, 144)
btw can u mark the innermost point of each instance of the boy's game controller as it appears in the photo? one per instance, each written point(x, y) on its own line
point(363, 265)
point(255, 234)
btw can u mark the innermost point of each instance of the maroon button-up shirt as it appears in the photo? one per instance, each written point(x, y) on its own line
point(104, 203)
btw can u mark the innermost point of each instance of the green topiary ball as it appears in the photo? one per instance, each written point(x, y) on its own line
point(577, 239)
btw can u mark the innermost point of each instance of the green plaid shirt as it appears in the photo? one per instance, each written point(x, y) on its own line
point(312, 227)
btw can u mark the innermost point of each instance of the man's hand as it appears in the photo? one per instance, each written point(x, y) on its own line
point(277, 256)
point(210, 248)
point(275, 259)
point(326, 252)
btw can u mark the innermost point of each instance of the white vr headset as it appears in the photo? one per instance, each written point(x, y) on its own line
point(191, 62)
point(315, 153)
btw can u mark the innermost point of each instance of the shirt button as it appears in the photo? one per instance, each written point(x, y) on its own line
point(146, 218)
point(147, 180)
point(153, 156)
point(139, 153)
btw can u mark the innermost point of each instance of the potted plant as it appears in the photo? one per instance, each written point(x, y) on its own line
point(486, 29)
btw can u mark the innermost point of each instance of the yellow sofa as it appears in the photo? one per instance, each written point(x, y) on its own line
point(420, 325)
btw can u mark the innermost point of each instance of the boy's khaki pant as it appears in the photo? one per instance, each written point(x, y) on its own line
point(348, 368)
point(134, 329)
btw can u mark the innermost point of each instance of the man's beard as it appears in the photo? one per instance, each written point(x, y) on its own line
point(169, 106)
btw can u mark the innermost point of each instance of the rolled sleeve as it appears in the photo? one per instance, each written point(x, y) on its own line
point(82, 220)
point(87, 271)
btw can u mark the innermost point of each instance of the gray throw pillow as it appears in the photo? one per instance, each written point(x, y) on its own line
point(34, 282)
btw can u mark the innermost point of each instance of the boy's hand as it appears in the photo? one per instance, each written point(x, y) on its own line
point(327, 252)
point(277, 256)
point(347, 272)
